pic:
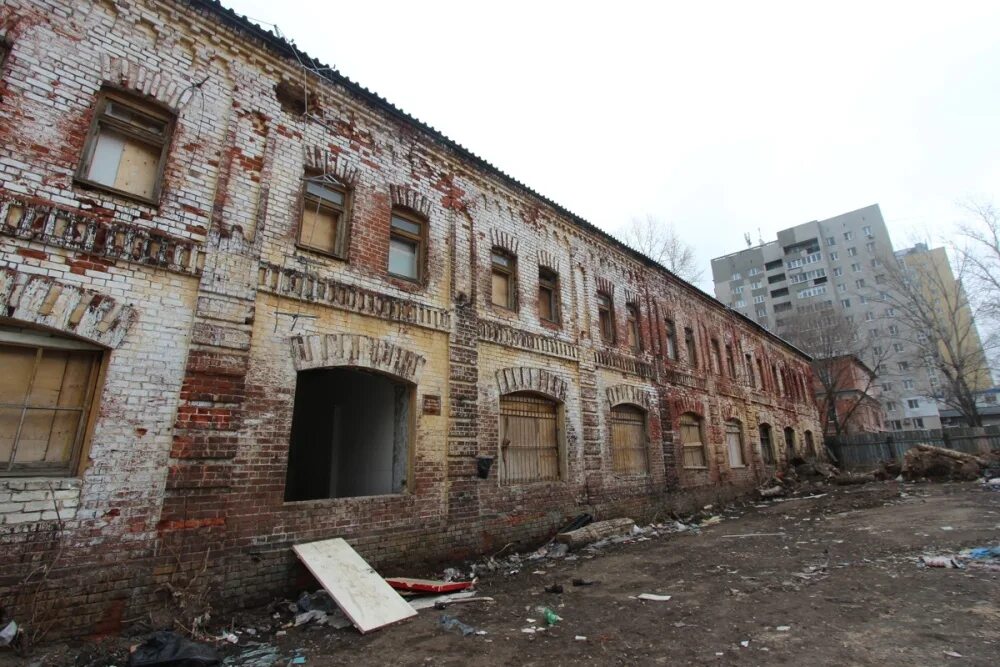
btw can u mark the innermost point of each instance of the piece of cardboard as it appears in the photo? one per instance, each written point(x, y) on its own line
point(427, 585)
point(357, 589)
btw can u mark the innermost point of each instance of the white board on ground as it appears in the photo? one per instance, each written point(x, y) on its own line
point(364, 596)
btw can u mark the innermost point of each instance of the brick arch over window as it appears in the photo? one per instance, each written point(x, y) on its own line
point(69, 309)
point(137, 78)
point(526, 378)
point(331, 350)
point(408, 198)
point(627, 393)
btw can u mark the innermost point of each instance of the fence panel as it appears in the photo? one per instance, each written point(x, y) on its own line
point(866, 450)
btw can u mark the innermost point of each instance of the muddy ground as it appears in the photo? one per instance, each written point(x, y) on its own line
point(827, 580)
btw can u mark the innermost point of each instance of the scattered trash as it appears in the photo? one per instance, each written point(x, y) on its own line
point(593, 532)
point(584, 582)
point(230, 637)
point(528, 631)
point(453, 599)
point(947, 528)
point(953, 654)
point(554, 588)
point(254, 656)
point(427, 585)
point(756, 535)
point(551, 618)
point(711, 521)
point(771, 492)
point(317, 616)
point(783, 628)
point(580, 638)
point(940, 561)
point(8, 633)
point(168, 649)
point(298, 660)
point(653, 597)
point(983, 552)
point(452, 624)
point(745, 643)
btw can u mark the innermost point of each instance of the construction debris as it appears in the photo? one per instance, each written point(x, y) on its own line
point(937, 463)
point(596, 531)
point(169, 649)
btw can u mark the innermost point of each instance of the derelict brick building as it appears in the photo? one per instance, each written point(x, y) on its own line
point(246, 304)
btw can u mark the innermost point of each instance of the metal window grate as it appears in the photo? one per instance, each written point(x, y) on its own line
point(529, 439)
point(628, 440)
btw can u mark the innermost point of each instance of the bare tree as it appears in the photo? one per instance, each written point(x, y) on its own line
point(930, 306)
point(834, 341)
point(980, 250)
point(659, 241)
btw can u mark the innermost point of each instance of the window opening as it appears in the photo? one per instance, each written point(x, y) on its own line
point(504, 277)
point(529, 438)
point(351, 433)
point(629, 452)
point(692, 439)
point(406, 246)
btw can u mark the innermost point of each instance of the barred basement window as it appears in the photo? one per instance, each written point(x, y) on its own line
point(504, 277)
point(324, 221)
point(734, 444)
point(407, 245)
point(126, 147)
point(46, 392)
point(548, 295)
point(606, 317)
point(634, 337)
point(693, 441)
point(766, 444)
point(628, 439)
point(529, 438)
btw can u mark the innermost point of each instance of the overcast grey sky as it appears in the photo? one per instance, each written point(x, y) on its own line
point(723, 117)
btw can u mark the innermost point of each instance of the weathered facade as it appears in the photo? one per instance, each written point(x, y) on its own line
point(247, 304)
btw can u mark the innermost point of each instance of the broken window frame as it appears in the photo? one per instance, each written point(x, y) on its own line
point(632, 331)
point(734, 431)
point(689, 424)
point(548, 292)
point(42, 343)
point(102, 119)
point(545, 412)
point(503, 266)
point(606, 317)
point(766, 434)
point(629, 438)
point(341, 238)
point(671, 333)
point(403, 235)
point(692, 347)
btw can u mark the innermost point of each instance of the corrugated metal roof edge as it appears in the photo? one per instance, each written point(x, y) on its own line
point(285, 47)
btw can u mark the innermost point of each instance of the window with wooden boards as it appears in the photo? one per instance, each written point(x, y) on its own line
point(693, 441)
point(46, 390)
point(529, 438)
point(629, 451)
point(504, 279)
point(324, 223)
point(734, 444)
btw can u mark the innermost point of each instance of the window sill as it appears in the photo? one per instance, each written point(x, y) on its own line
point(322, 253)
point(132, 197)
point(695, 467)
point(327, 502)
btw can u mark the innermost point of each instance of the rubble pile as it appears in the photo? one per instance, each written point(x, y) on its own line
point(939, 464)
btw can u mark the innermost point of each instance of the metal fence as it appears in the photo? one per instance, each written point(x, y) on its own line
point(866, 450)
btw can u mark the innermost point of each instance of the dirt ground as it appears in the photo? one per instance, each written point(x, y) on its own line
point(826, 580)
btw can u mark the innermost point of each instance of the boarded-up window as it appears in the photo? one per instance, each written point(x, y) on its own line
point(693, 441)
point(548, 295)
point(45, 397)
point(766, 444)
point(692, 349)
point(407, 238)
point(529, 438)
point(606, 317)
point(126, 146)
point(628, 439)
point(324, 216)
point(634, 338)
point(734, 444)
point(504, 277)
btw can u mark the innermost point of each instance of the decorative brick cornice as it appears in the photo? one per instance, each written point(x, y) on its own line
point(112, 240)
point(408, 198)
point(322, 159)
point(310, 287)
point(502, 239)
point(527, 378)
point(620, 362)
point(333, 350)
point(525, 340)
point(627, 393)
point(67, 308)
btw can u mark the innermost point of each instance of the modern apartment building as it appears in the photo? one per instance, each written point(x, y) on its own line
point(836, 266)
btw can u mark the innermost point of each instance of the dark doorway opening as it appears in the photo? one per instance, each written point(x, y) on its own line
point(350, 435)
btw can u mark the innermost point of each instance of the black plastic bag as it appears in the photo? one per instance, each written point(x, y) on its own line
point(169, 649)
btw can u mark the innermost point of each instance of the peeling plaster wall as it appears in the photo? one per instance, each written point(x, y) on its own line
point(208, 309)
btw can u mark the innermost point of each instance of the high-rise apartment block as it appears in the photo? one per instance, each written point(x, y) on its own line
point(836, 266)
